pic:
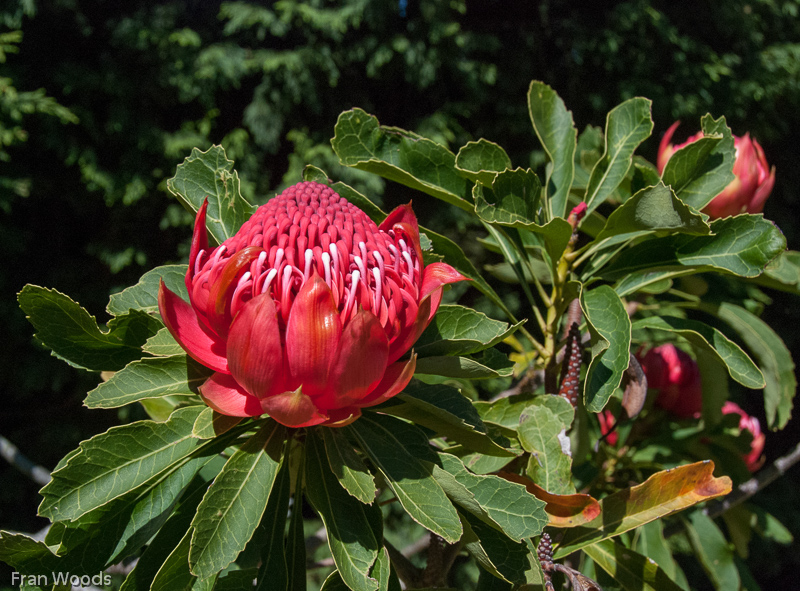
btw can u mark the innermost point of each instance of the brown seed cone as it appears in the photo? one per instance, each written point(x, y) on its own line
point(571, 368)
point(545, 552)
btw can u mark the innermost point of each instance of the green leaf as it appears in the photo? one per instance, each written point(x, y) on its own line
point(399, 155)
point(498, 502)
point(713, 550)
point(610, 328)
point(350, 537)
point(454, 255)
point(648, 281)
point(144, 295)
point(210, 175)
point(627, 126)
point(481, 161)
point(273, 574)
point(457, 330)
point(653, 209)
point(634, 571)
point(232, 508)
point(112, 463)
point(163, 344)
point(419, 494)
point(26, 555)
point(165, 541)
point(347, 466)
point(549, 466)
point(699, 171)
point(497, 553)
point(492, 364)
point(73, 335)
point(210, 424)
point(446, 411)
point(512, 199)
point(295, 545)
point(558, 405)
point(664, 493)
point(175, 572)
point(151, 377)
point(740, 367)
point(772, 356)
point(556, 132)
point(654, 545)
point(504, 411)
point(741, 245)
point(783, 272)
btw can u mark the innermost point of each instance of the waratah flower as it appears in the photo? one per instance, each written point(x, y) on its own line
point(746, 422)
point(677, 378)
point(754, 178)
point(607, 423)
point(306, 312)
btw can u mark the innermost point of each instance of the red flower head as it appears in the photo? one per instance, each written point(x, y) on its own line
point(607, 422)
point(306, 311)
point(677, 378)
point(746, 422)
point(752, 185)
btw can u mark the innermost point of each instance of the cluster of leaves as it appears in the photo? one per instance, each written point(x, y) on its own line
point(208, 501)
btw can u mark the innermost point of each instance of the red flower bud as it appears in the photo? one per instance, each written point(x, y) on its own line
point(754, 460)
point(306, 311)
point(677, 378)
point(754, 178)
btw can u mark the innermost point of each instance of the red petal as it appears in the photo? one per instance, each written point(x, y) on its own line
point(402, 219)
point(293, 409)
point(437, 275)
point(665, 150)
point(219, 300)
point(360, 364)
point(222, 393)
point(255, 354)
point(313, 331)
point(182, 322)
point(411, 331)
point(199, 241)
point(394, 380)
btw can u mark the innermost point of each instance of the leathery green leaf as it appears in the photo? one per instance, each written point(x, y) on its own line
point(498, 502)
point(382, 439)
point(210, 175)
point(348, 467)
point(492, 364)
point(715, 553)
point(163, 344)
point(350, 537)
point(399, 155)
point(447, 412)
point(549, 466)
point(742, 245)
point(627, 126)
point(740, 367)
point(503, 557)
point(771, 354)
point(112, 463)
point(232, 508)
point(151, 377)
point(664, 493)
point(699, 171)
point(481, 161)
point(144, 295)
point(630, 568)
point(73, 335)
point(457, 330)
point(512, 199)
point(610, 328)
point(556, 132)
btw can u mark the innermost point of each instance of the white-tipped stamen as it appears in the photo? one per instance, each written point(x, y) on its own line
point(278, 258)
point(360, 264)
point(326, 263)
point(270, 276)
point(309, 259)
point(378, 288)
point(363, 249)
point(407, 257)
point(218, 254)
point(198, 261)
point(396, 255)
point(243, 284)
point(335, 257)
point(351, 295)
point(379, 259)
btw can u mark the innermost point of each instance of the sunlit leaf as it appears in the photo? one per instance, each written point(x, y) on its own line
point(632, 570)
point(457, 330)
point(549, 466)
point(73, 335)
point(556, 132)
point(562, 510)
point(210, 175)
point(662, 494)
point(713, 550)
point(348, 467)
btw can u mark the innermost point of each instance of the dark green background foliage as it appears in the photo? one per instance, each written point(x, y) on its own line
point(99, 102)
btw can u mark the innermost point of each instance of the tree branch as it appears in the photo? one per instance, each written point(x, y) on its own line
point(13, 456)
